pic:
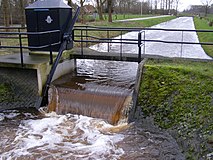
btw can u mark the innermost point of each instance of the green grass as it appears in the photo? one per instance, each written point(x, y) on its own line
point(205, 37)
point(120, 16)
point(179, 95)
point(143, 23)
point(129, 16)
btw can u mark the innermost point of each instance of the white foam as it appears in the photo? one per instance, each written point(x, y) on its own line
point(9, 115)
point(76, 136)
point(2, 116)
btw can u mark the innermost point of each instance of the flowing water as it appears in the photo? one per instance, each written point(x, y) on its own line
point(100, 89)
point(163, 49)
point(29, 134)
point(97, 89)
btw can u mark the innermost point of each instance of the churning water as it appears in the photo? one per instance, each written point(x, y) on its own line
point(34, 136)
point(31, 135)
point(98, 89)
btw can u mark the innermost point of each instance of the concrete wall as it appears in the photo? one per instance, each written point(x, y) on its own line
point(22, 88)
point(25, 85)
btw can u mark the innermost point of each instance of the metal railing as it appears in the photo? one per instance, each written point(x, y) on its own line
point(86, 38)
point(23, 35)
point(81, 34)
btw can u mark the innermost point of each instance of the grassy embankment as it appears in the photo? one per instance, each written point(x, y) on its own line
point(205, 37)
point(119, 16)
point(179, 95)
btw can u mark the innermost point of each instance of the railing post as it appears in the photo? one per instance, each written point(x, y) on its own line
point(144, 37)
point(108, 40)
point(181, 52)
point(139, 47)
point(50, 45)
point(86, 36)
point(21, 49)
point(121, 50)
point(82, 52)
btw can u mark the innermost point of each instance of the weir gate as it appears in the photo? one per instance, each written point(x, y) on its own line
point(50, 65)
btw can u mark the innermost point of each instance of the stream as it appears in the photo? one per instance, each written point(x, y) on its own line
point(27, 134)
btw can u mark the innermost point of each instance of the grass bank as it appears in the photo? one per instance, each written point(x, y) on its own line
point(179, 95)
point(142, 23)
point(205, 37)
point(91, 18)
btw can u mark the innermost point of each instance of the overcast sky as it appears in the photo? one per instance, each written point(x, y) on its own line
point(184, 4)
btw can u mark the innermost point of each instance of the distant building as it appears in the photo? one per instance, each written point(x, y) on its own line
point(89, 9)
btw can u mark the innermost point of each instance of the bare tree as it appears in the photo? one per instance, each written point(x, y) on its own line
point(207, 4)
point(100, 4)
point(22, 13)
point(176, 6)
point(109, 5)
point(6, 12)
point(82, 10)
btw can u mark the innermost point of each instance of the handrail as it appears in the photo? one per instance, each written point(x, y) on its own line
point(136, 29)
point(140, 40)
point(30, 33)
point(21, 47)
point(12, 27)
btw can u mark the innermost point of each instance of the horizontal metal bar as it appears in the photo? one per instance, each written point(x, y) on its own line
point(160, 41)
point(40, 47)
point(87, 36)
point(101, 41)
point(12, 37)
point(31, 47)
point(93, 28)
point(29, 33)
point(117, 39)
point(13, 27)
point(107, 29)
point(105, 39)
point(15, 47)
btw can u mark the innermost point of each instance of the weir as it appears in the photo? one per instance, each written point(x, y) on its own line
point(109, 96)
point(94, 102)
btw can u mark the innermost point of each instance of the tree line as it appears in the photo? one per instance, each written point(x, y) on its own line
point(13, 11)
